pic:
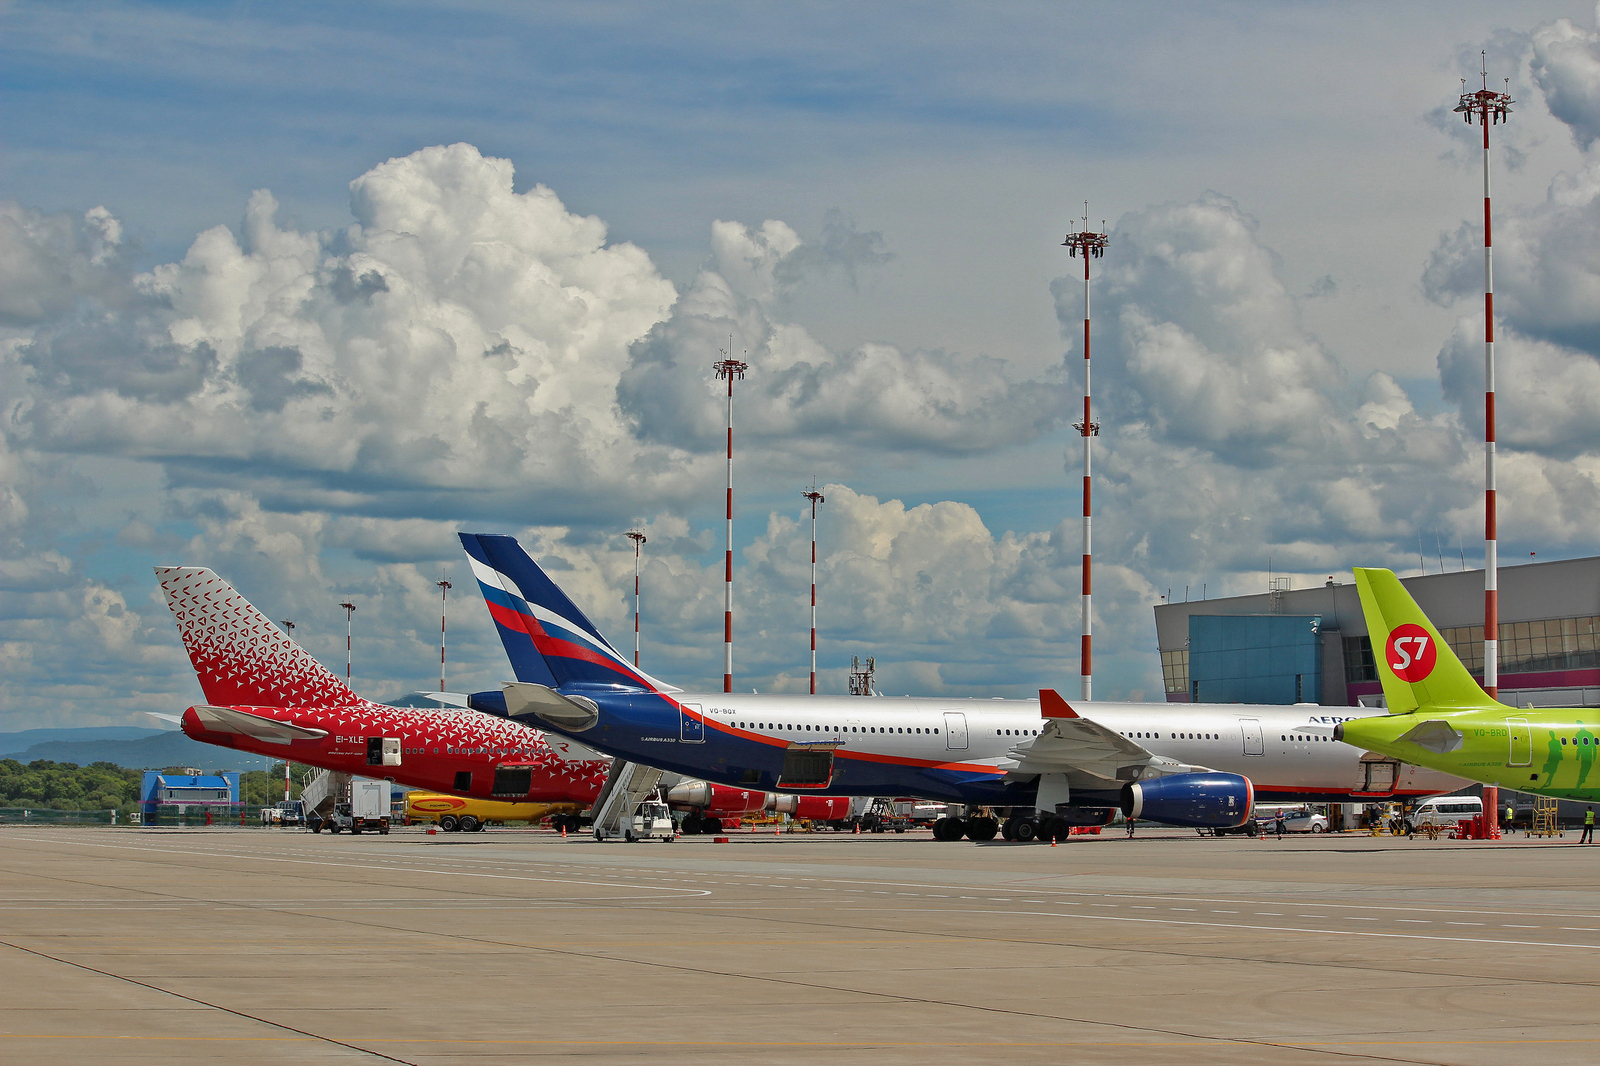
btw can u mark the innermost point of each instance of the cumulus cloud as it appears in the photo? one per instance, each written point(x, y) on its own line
point(1566, 67)
point(822, 403)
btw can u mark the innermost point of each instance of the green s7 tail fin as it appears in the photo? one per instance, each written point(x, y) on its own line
point(1417, 667)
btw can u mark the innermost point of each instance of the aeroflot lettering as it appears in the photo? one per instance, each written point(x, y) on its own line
point(1330, 719)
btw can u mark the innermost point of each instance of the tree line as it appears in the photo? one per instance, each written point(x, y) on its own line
point(65, 786)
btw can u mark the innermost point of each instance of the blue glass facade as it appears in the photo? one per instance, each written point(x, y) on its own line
point(1255, 658)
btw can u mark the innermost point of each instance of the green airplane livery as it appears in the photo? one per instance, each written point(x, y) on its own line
point(1441, 718)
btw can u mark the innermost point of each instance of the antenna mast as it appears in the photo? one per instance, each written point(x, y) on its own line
point(731, 369)
point(444, 597)
point(1489, 108)
point(638, 538)
point(1090, 245)
point(815, 497)
point(349, 612)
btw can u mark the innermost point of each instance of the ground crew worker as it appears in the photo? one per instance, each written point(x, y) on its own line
point(1277, 823)
point(1588, 827)
point(1131, 823)
point(1511, 815)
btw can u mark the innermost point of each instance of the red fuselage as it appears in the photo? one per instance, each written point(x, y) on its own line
point(464, 753)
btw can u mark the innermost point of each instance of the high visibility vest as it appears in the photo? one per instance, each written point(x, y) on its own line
point(1588, 817)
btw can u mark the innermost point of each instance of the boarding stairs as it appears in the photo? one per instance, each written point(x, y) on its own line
point(628, 785)
point(323, 788)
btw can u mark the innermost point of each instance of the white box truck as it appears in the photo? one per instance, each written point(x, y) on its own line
point(367, 808)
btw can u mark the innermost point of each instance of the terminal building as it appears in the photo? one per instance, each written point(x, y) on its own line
point(1311, 645)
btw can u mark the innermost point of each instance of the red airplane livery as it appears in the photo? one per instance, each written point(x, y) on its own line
point(266, 694)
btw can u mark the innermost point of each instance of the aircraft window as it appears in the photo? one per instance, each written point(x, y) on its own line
point(1563, 742)
point(998, 733)
point(935, 732)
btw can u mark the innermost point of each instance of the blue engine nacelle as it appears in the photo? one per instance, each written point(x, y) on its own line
point(1200, 801)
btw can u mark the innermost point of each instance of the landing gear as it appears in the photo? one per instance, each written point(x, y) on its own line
point(693, 823)
point(711, 825)
point(949, 829)
point(1053, 827)
point(982, 829)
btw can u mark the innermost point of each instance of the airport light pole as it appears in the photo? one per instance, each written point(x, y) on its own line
point(729, 368)
point(1489, 108)
point(815, 497)
point(444, 598)
point(638, 538)
point(1090, 245)
point(349, 612)
point(288, 628)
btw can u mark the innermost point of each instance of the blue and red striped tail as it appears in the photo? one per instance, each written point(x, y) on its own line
point(547, 638)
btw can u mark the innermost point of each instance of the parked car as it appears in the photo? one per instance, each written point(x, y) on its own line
point(1444, 810)
point(1304, 821)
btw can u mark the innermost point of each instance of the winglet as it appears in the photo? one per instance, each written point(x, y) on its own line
point(1053, 706)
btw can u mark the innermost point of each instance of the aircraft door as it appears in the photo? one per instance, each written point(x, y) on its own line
point(955, 731)
point(1521, 738)
point(1250, 728)
point(1378, 775)
point(691, 729)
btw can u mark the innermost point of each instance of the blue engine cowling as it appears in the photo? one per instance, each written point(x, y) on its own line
point(1200, 801)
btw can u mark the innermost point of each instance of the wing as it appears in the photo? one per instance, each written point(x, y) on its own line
point(1079, 747)
point(233, 720)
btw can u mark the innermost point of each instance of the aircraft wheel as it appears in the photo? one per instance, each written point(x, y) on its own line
point(448, 823)
point(1008, 829)
point(711, 825)
point(1054, 827)
point(982, 829)
point(694, 823)
point(469, 823)
point(1026, 829)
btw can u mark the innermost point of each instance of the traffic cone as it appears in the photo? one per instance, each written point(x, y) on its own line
point(563, 830)
point(1052, 842)
point(857, 828)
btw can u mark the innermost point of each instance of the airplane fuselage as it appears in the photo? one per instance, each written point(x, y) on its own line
point(441, 750)
point(958, 749)
point(1548, 752)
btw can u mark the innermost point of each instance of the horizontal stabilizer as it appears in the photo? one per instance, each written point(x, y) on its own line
point(524, 698)
point(175, 719)
point(1435, 736)
point(233, 720)
point(449, 699)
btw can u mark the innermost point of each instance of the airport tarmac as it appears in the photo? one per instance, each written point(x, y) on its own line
point(279, 946)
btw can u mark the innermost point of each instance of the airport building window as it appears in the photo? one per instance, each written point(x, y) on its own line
point(1175, 670)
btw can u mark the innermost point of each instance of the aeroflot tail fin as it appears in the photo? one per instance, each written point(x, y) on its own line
point(547, 638)
point(1417, 668)
point(241, 658)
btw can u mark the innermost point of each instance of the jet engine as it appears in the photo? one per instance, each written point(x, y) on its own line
point(816, 808)
point(1200, 800)
point(715, 799)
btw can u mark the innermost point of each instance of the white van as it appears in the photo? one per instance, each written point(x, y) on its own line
point(1445, 810)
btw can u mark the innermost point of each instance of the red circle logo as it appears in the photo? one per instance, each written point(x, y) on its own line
point(1411, 652)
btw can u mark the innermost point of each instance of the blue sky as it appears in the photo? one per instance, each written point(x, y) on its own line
point(1282, 184)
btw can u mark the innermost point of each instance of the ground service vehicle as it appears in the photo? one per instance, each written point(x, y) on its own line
point(653, 821)
point(467, 815)
point(1444, 810)
point(365, 809)
point(1193, 765)
point(283, 813)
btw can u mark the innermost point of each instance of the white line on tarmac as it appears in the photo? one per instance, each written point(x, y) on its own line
point(1276, 928)
point(435, 871)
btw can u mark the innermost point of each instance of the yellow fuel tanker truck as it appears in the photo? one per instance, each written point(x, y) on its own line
point(460, 814)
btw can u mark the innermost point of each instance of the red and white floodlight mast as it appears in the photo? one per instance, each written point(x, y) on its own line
point(288, 629)
point(638, 538)
point(349, 612)
point(1091, 246)
point(1488, 108)
point(815, 497)
point(731, 369)
point(444, 598)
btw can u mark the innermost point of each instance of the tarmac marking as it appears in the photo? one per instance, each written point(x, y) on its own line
point(1296, 929)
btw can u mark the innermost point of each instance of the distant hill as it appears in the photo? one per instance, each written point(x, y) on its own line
point(24, 739)
point(166, 747)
